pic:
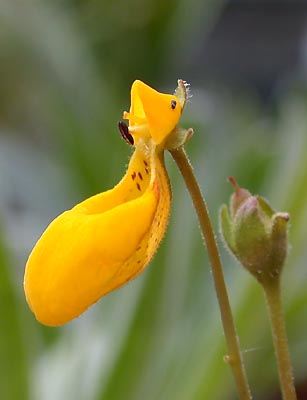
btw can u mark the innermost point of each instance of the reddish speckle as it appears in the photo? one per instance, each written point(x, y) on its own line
point(146, 170)
point(145, 163)
point(133, 176)
point(138, 186)
point(140, 175)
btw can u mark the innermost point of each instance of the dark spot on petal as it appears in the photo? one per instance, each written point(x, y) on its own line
point(140, 175)
point(146, 170)
point(173, 104)
point(138, 186)
point(145, 163)
point(133, 176)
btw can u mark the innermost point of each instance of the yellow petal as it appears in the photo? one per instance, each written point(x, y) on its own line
point(152, 113)
point(100, 244)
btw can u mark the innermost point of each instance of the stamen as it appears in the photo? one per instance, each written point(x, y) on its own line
point(124, 131)
point(134, 118)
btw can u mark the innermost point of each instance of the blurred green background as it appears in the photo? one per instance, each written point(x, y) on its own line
point(66, 67)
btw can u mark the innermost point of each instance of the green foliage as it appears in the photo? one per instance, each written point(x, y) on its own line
point(65, 74)
point(14, 374)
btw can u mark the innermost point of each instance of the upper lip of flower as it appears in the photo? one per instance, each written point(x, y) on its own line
point(152, 114)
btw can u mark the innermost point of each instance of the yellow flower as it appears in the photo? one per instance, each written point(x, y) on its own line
point(108, 239)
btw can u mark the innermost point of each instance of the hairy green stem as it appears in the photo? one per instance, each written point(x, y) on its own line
point(272, 290)
point(234, 356)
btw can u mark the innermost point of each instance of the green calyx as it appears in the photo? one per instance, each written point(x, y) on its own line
point(255, 233)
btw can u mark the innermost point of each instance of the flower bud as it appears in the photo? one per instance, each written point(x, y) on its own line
point(255, 233)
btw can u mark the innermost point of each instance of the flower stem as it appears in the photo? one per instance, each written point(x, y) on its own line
point(234, 356)
point(272, 292)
